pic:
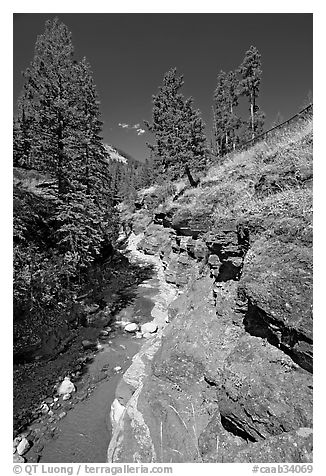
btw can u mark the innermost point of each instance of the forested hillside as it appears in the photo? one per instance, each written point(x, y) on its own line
point(127, 175)
point(58, 235)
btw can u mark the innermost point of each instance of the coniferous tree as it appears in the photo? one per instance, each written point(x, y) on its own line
point(57, 131)
point(146, 174)
point(48, 102)
point(232, 100)
point(225, 120)
point(22, 138)
point(178, 130)
point(219, 107)
point(89, 149)
point(195, 147)
point(249, 85)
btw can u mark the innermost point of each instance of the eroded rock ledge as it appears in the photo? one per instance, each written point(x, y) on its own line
point(229, 379)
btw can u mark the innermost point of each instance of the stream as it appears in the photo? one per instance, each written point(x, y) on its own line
point(83, 433)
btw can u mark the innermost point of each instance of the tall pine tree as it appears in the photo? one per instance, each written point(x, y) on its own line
point(249, 85)
point(225, 120)
point(178, 130)
point(47, 105)
point(57, 131)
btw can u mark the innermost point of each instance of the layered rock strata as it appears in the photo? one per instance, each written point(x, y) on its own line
point(230, 378)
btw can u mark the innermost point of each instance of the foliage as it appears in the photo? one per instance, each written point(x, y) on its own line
point(57, 132)
point(228, 128)
point(128, 178)
point(225, 120)
point(249, 85)
point(178, 130)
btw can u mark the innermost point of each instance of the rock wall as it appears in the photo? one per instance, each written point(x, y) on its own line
point(230, 378)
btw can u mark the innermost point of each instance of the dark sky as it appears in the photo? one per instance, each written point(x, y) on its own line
point(129, 54)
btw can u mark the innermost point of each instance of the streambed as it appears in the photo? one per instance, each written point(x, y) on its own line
point(84, 432)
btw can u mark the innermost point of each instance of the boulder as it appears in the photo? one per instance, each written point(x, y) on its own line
point(149, 327)
point(66, 387)
point(131, 327)
point(23, 446)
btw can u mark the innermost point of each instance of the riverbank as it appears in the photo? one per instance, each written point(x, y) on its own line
point(110, 289)
point(124, 407)
point(79, 429)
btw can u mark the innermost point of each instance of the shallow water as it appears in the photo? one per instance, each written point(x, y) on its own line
point(83, 435)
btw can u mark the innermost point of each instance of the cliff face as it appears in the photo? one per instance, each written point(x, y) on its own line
point(231, 378)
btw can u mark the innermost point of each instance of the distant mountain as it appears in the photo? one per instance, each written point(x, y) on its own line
point(117, 154)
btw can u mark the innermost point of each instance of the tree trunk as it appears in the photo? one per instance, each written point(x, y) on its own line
point(252, 117)
point(87, 172)
point(192, 181)
point(60, 156)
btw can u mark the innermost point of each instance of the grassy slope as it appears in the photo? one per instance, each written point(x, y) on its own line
point(269, 186)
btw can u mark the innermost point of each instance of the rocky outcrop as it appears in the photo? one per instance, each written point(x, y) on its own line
point(140, 222)
point(277, 281)
point(229, 380)
point(157, 240)
point(289, 447)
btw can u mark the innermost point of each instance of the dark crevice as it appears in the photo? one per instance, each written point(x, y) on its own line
point(232, 427)
point(230, 255)
point(210, 382)
point(228, 271)
point(257, 323)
